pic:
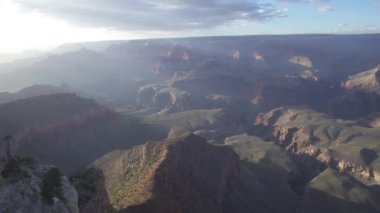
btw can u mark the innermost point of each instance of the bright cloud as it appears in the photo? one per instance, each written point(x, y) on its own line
point(154, 15)
point(20, 31)
point(30, 24)
point(325, 9)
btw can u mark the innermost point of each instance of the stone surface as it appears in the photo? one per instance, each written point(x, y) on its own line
point(24, 195)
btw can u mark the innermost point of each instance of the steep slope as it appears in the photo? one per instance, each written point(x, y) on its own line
point(272, 165)
point(183, 174)
point(66, 130)
point(352, 104)
point(360, 96)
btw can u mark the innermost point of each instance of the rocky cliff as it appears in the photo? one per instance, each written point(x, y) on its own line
point(368, 81)
point(27, 193)
point(340, 144)
point(301, 60)
point(182, 174)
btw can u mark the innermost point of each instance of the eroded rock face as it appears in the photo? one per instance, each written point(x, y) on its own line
point(301, 60)
point(169, 176)
point(353, 104)
point(164, 99)
point(183, 174)
point(327, 141)
point(24, 195)
point(367, 81)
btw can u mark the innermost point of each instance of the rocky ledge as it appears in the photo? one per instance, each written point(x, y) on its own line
point(33, 190)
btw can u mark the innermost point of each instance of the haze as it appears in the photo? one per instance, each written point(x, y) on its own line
point(189, 106)
point(39, 24)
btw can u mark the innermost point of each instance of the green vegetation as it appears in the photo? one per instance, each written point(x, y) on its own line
point(16, 167)
point(52, 185)
point(9, 170)
point(25, 161)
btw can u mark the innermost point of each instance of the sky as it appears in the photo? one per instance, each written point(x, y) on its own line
point(43, 24)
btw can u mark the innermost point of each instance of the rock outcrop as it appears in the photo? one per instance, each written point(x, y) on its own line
point(343, 145)
point(163, 99)
point(183, 174)
point(25, 193)
point(301, 60)
point(368, 81)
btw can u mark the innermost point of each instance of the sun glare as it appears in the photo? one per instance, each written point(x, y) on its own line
point(20, 31)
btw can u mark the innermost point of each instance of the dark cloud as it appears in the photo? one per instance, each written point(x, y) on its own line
point(154, 15)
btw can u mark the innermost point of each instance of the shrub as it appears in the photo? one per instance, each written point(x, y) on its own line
point(52, 185)
point(25, 161)
point(14, 167)
point(8, 170)
point(11, 169)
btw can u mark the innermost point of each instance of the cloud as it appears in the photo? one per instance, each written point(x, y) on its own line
point(342, 25)
point(306, 1)
point(370, 27)
point(325, 9)
point(169, 15)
